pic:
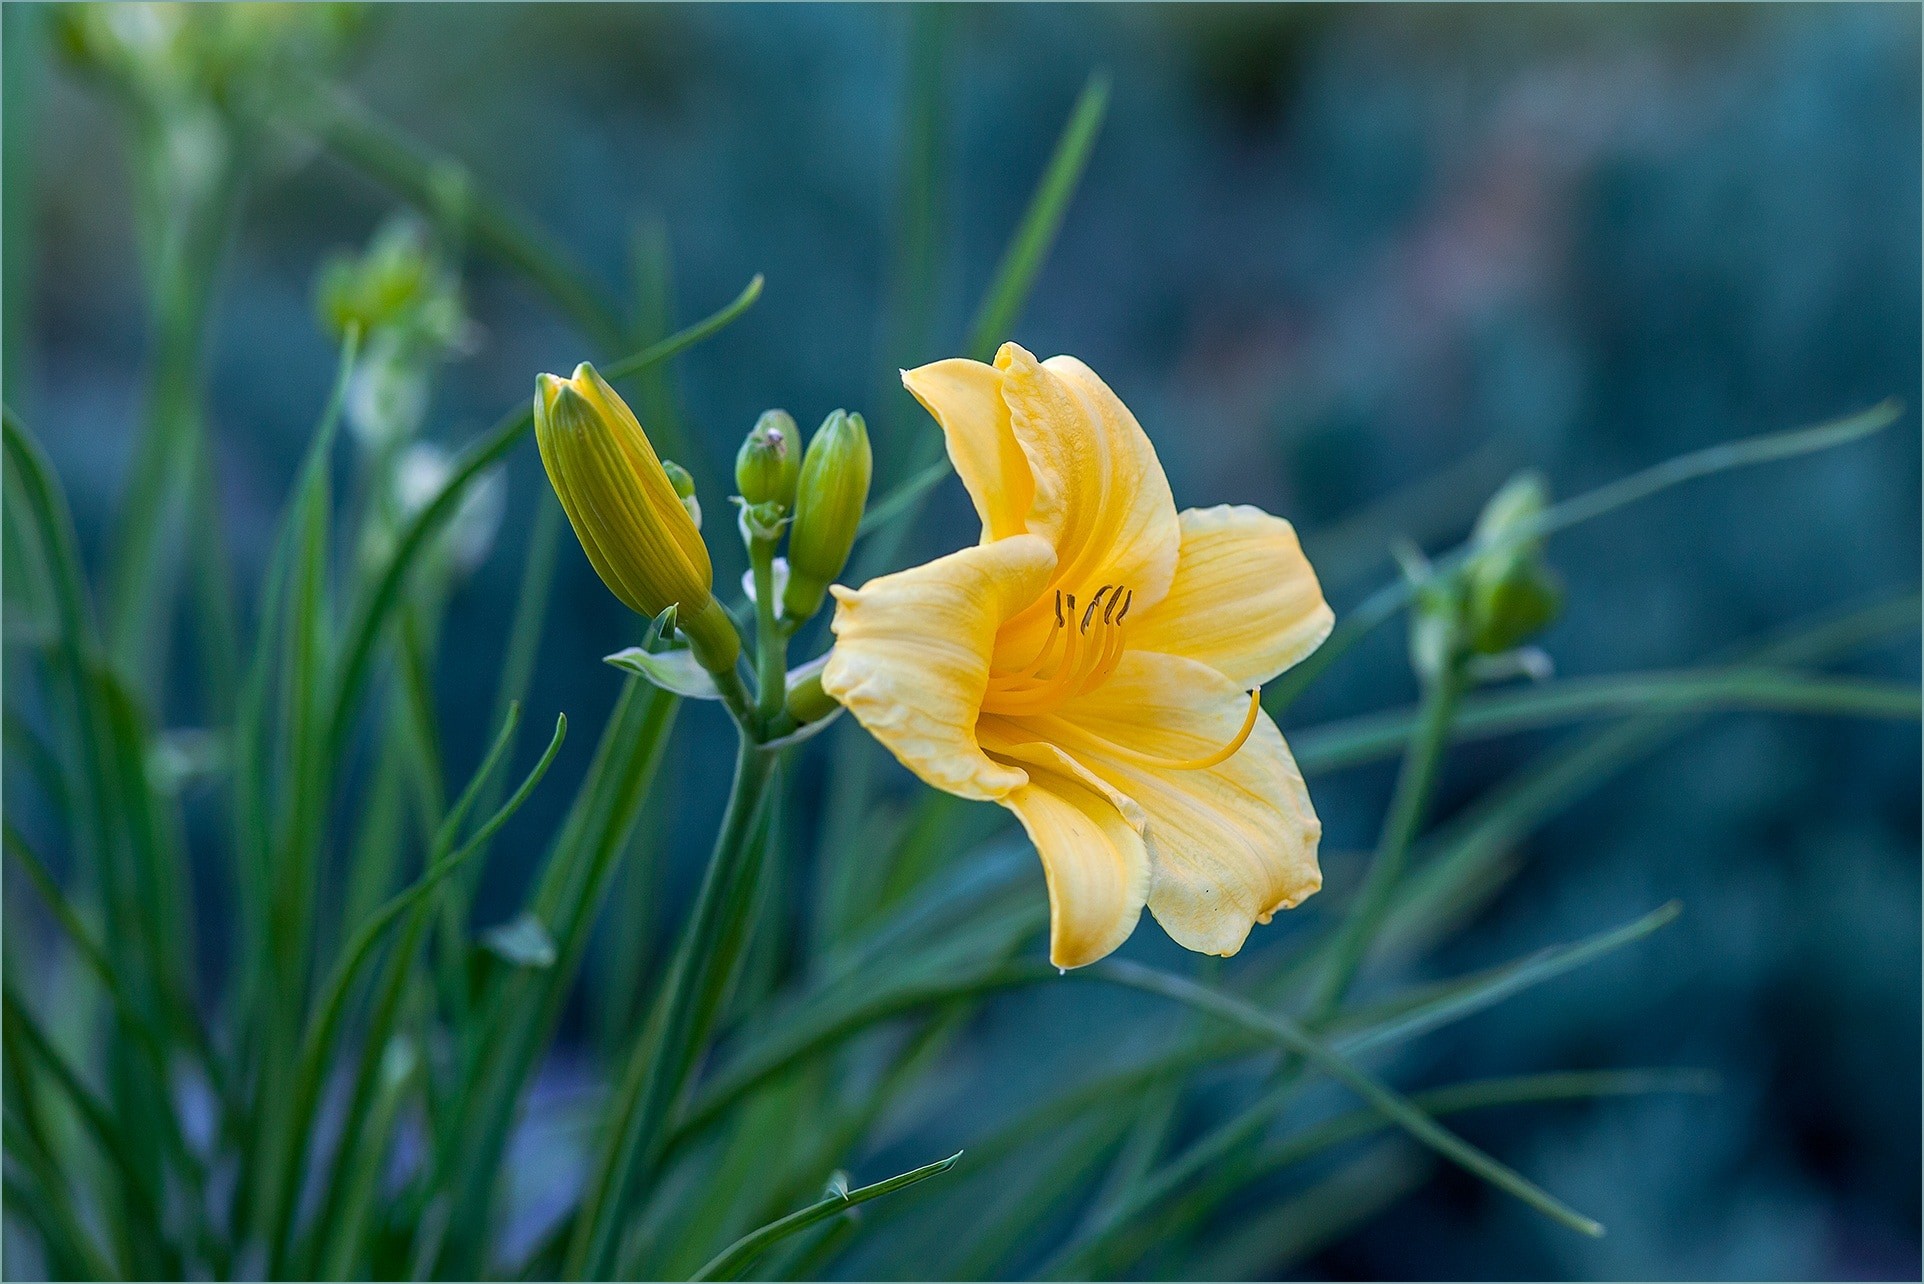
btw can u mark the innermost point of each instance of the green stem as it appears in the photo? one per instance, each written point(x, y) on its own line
point(1414, 784)
point(185, 238)
point(711, 947)
point(771, 641)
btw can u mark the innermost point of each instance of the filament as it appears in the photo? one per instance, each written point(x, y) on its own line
point(1078, 655)
point(1221, 755)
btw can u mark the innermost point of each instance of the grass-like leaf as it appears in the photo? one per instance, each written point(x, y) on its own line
point(380, 604)
point(441, 187)
point(1334, 746)
point(1391, 1104)
point(1382, 606)
point(1035, 235)
point(1022, 258)
point(318, 1041)
point(730, 1261)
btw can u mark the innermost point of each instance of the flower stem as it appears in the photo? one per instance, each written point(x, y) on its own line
point(706, 961)
point(1414, 784)
point(771, 640)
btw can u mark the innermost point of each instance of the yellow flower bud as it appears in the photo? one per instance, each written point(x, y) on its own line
point(828, 511)
point(626, 512)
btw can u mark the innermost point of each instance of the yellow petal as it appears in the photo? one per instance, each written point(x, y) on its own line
point(1094, 861)
point(1245, 600)
point(1008, 739)
point(1229, 845)
point(1100, 495)
point(966, 399)
point(911, 657)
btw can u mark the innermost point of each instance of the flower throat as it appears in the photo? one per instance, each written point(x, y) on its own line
point(1079, 655)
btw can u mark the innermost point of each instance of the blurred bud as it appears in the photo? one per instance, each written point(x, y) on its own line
point(626, 512)
point(684, 483)
point(399, 283)
point(829, 501)
point(420, 474)
point(168, 55)
point(407, 305)
point(1512, 595)
point(769, 461)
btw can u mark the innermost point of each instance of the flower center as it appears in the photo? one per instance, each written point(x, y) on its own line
point(1078, 655)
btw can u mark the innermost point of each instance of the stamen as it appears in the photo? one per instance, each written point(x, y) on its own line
point(1182, 764)
point(1111, 657)
point(1075, 667)
point(1005, 681)
point(1090, 611)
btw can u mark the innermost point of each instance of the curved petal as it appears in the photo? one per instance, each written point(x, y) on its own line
point(1007, 739)
point(1095, 863)
point(966, 399)
point(1099, 495)
point(912, 651)
point(1229, 845)
point(1245, 600)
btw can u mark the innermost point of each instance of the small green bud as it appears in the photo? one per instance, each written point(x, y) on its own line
point(1512, 593)
point(828, 511)
point(769, 461)
point(807, 702)
point(684, 483)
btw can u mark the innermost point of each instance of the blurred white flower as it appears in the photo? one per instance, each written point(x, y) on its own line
point(419, 474)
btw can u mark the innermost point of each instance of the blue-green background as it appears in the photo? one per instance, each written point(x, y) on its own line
point(1323, 252)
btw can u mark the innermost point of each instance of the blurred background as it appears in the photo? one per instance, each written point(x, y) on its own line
point(1352, 264)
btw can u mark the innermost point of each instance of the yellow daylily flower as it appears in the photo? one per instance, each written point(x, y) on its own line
point(1094, 664)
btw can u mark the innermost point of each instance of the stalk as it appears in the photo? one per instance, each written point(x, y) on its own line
point(771, 640)
point(1414, 784)
point(678, 1032)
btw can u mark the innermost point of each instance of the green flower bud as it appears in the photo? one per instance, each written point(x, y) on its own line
point(828, 511)
point(1512, 595)
point(626, 512)
point(684, 483)
point(769, 461)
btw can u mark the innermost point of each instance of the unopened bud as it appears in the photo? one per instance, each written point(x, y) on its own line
point(1512, 593)
point(684, 483)
point(769, 461)
point(627, 513)
point(830, 499)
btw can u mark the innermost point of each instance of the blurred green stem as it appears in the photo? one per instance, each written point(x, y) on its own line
point(184, 238)
point(1414, 784)
point(442, 188)
point(672, 1043)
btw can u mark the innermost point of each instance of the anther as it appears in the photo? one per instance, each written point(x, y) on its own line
point(1113, 599)
point(1089, 612)
point(1127, 602)
point(1058, 608)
